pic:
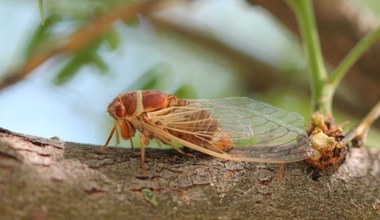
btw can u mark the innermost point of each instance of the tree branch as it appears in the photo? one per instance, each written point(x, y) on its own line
point(42, 178)
point(79, 39)
point(260, 74)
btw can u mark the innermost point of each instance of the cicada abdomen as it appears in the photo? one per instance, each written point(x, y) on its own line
point(195, 125)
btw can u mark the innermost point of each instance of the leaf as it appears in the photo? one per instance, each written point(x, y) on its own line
point(99, 63)
point(112, 39)
point(41, 8)
point(158, 77)
point(186, 91)
point(69, 70)
point(149, 196)
point(79, 59)
point(41, 35)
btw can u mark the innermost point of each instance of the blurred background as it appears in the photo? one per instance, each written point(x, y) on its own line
point(58, 74)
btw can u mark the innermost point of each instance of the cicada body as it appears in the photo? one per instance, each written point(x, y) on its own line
point(235, 128)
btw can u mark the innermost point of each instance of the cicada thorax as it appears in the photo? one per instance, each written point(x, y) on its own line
point(135, 103)
point(202, 129)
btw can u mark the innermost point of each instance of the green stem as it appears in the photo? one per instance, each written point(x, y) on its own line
point(353, 56)
point(42, 13)
point(303, 10)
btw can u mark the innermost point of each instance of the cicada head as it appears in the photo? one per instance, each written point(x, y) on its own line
point(122, 109)
point(123, 106)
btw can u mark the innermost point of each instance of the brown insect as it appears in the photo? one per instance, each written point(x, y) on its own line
point(235, 128)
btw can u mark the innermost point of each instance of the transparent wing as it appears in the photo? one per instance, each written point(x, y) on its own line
point(256, 131)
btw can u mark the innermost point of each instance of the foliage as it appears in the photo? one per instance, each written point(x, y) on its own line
point(323, 85)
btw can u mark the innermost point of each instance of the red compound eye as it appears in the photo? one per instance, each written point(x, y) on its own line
point(119, 110)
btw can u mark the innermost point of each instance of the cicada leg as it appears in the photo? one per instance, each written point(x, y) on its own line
point(127, 132)
point(144, 141)
point(108, 139)
point(117, 137)
point(132, 147)
point(164, 141)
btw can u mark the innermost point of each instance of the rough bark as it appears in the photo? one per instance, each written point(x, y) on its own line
point(51, 179)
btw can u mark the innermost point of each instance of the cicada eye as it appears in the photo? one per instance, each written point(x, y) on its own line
point(119, 110)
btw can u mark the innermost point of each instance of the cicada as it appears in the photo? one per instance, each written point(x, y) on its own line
point(234, 128)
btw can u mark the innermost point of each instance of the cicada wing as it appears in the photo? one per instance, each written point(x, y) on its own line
point(257, 131)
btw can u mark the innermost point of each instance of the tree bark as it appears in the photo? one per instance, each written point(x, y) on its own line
point(51, 179)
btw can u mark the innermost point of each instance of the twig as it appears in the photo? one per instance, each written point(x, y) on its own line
point(304, 12)
point(354, 55)
point(358, 134)
point(80, 39)
point(351, 26)
point(246, 64)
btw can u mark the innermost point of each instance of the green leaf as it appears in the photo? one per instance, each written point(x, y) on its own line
point(158, 77)
point(132, 22)
point(77, 60)
point(41, 35)
point(41, 8)
point(149, 196)
point(112, 39)
point(69, 70)
point(186, 91)
point(99, 63)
